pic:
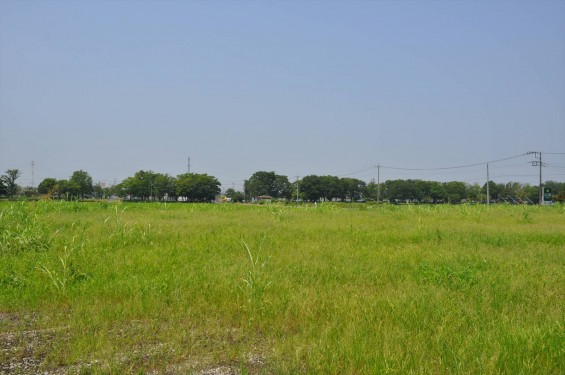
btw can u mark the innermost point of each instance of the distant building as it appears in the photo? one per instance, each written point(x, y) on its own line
point(222, 199)
point(262, 198)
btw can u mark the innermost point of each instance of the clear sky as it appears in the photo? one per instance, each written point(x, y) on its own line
point(295, 87)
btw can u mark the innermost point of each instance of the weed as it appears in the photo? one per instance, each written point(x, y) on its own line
point(123, 234)
point(21, 230)
point(527, 216)
point(58, 280)
point(279, 212)
point(64, 273)
point(253, 285)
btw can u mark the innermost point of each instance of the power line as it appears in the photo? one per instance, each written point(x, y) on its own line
point(515, 175)
point(457, 166)
point(513, 165)
point(359, 171)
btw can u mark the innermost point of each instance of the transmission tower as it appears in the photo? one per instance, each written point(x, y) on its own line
point(32, 174)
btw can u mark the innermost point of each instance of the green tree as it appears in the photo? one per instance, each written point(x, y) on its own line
point(101, 191)
point(146, 185)
point(401, 190)
point(9, 180)
point(3, 188)
point(311, 188)
point(456, 191)
point(197, 187)
point(372, 191)
point(124, 188)
point(437, 192)
point(423, 189)
point(235, 196)
point(84, 182)
point(332, 187)
point(352, 188)
point(67, 189)
point(282, 187)
point(494, 190)
point(530, 193)
point(164, 186)
point(47, 186)
point(474, 193)
point(260, 183)
point(268, 183)
point(511, 190)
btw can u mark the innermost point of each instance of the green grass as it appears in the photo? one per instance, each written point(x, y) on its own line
point(332, 289)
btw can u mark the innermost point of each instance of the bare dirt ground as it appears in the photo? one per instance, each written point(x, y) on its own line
point(24, 350)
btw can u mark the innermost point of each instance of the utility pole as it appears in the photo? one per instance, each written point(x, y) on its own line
point(297, 188)
point(189, 164)
point(378, 183)
point(539, 163)
point(540, 181)
point(488, 191)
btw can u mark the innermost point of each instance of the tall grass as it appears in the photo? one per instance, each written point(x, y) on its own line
point(329, 289)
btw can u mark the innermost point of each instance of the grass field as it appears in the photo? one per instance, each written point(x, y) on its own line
point(326, 289)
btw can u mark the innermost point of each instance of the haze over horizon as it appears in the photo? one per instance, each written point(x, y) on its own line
point(299, 88)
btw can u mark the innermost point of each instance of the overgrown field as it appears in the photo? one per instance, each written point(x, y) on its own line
point(326, 289)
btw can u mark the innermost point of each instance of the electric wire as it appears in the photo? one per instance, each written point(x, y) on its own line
point(456, 167)
point(359, 171)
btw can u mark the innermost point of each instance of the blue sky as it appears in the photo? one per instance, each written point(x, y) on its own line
point(297, 87)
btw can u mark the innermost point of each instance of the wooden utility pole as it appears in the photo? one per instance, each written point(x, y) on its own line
point(541, 197)
point(378, 183)
point(297, 188)
point(488, 192)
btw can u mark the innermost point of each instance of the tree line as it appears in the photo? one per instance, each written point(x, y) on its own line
point(310, 188)
point(421, 191)
point(189, 187)
point(315, 188)
point(142, 186)
point(194, 187)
